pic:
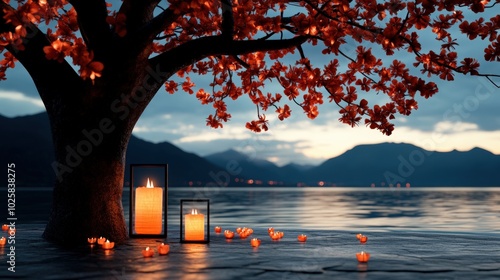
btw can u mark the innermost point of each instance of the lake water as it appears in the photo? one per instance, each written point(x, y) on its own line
point(465, 210)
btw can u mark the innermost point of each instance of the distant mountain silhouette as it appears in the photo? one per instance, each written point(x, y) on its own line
point(261, 171)
point(26, 141)
point(382, 164)
point(404, 163)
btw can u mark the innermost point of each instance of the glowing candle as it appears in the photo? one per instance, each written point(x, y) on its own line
point(163, 249)
point(302, 237)
point(92, 240)
point(363, 257)
point(108, 245)
point(147, 253)
point(255, 242)
point(358, 236)
point(228, 234)
point(5, 227)
point(363, 239)
point(101, 240)
point(148, 209)
point(218, 229)
point(275, 236)
point(3, 240)
point(194, 226)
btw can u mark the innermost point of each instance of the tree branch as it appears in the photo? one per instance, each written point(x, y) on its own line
point(95, 30)
point(138, 13)
point(188, 53)
point(227, 19)
point(156, 25)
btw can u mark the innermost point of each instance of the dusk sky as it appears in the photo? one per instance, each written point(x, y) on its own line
point(464, 114)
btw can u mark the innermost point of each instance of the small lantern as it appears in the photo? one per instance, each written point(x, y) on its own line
point(195, 221)
point(148, 200)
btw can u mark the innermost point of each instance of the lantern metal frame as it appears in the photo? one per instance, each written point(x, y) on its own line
point(207, 220)
point(161, 168)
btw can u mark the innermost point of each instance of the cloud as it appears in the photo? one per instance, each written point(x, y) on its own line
point(16, 103)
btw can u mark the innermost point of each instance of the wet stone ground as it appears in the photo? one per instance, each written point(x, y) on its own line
point(325, 255)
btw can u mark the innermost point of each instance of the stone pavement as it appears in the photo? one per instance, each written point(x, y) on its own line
point(325, 255)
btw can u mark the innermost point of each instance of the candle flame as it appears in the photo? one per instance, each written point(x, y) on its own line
point(194, 212)
point(150, 184)
point(147, 248)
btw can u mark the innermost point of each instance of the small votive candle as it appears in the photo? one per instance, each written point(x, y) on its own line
point(3, 241)
point(363, 256)
point(91, 240)
point(271, 229)
point(101, 240)
point(358, 236)
point(147, 253)
point(238, 230)
point(363, 239)
point(163, 249)
point(5, 227)
point(218, 229)
point(275, 236)
point(255, 242)
point(228, 234)
point(302, 237)
point(108, 245)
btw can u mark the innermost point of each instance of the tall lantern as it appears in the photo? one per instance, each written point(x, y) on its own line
point(195, 221)
point(148, 200)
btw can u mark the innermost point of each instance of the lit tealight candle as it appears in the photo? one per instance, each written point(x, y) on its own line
point(228, 234)
point(255, 242)
point(91, 240)
point(5, 227)
point(358, 236)
point(363, 256)
point(363, 239)
point(3, 241)
point(238, 230)
point(147, 253)
point(275, 236)
point(101, 240)
point(108, 245)
point(163, 249)
point(194, 227)
point(302, 237)
point(271, 229)
point(218, 229)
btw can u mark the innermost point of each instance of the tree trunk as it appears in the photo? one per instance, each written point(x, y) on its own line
point(90, 148)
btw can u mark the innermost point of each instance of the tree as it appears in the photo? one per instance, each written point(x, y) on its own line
point(123, 56)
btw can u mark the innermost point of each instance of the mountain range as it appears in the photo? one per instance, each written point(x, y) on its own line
point(26, 141)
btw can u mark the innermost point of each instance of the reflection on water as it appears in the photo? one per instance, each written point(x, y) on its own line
point(426, 209)
point(433, 209)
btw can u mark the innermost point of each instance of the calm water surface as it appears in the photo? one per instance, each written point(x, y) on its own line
point(420, 209)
